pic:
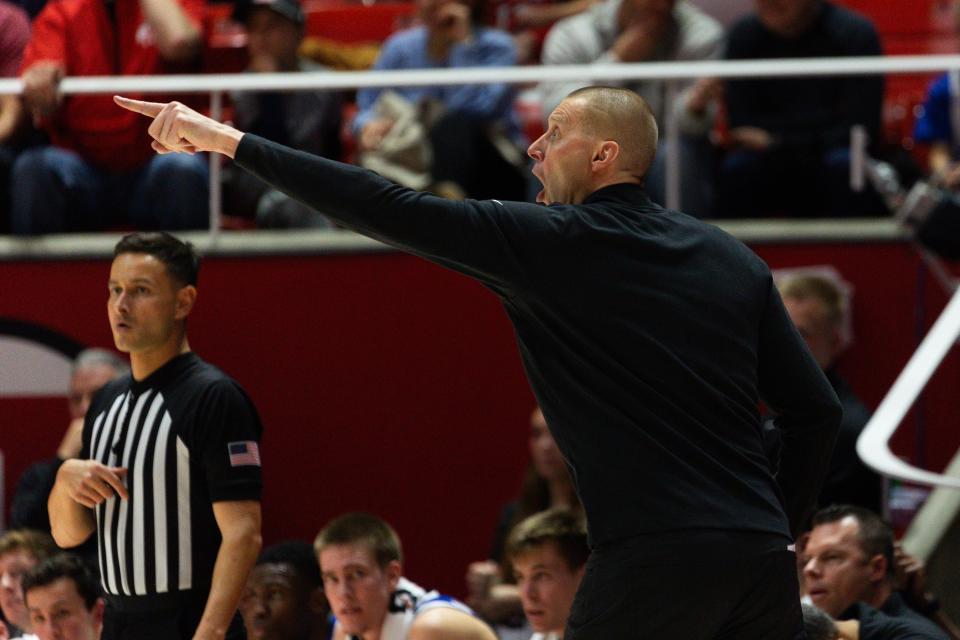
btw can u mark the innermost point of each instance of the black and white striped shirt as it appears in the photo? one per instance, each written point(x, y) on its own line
point(188, 436)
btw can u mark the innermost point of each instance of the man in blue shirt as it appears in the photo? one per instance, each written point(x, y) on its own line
point(462, 122)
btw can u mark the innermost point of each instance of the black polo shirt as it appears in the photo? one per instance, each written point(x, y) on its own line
point(893, 621)
point(649, 339)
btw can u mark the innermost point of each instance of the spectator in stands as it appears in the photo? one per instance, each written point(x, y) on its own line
point(546, 485)
point(648, 31)
point(848, 571)
point(92, 368)
point(549, 553)
point(932, 207)
point(284, 596)
point(306, 120)
point(14, 35)
point(530, 20)
point(459, 140)
point(935, 126)
point(788, 133)
point(63, 599)
point(20, 551)
point(818, 302)
point(100, 170)
point(361, 564)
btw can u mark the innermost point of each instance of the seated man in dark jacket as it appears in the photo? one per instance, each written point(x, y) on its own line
point(791, 133)
point(848, 571)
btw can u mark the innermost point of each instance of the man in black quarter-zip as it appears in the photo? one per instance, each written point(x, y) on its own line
point(649, 339)
point(168, 477)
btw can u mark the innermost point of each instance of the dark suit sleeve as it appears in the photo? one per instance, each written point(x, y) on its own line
point(29, 507)
point(876, 625)
point(488, 240)
point(807, 410)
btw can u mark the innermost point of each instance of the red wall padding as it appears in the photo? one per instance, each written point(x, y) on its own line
point(391, 385)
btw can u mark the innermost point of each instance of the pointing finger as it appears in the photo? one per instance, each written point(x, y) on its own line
point(150, 109)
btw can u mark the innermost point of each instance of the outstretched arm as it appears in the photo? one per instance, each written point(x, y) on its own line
point(489, 240)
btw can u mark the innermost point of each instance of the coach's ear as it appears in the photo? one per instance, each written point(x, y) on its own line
point(186, 298)
point(605, 156)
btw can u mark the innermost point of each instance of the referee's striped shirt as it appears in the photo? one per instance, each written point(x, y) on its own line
point(188, 436)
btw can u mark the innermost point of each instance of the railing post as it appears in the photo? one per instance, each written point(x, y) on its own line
point(672, 148)
point(873, 443)
point(216, 112)
point(858, 157)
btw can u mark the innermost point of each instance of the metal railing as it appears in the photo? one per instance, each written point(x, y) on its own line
point(673, 73)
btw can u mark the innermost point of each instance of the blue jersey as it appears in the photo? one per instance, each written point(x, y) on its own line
point(407, 602)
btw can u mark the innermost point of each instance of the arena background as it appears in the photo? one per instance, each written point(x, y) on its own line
point(390, 385)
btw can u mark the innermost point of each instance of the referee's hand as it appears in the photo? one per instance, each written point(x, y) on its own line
point(89, 482)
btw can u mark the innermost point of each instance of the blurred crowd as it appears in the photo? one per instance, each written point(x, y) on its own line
point(746, 148)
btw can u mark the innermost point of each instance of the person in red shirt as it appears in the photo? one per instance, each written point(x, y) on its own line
point(99, 169)
point(14, 34)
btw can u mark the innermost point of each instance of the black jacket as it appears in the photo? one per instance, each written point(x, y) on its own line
point(648, 337)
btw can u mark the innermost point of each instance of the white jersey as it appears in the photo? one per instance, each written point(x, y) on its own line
point(407, 602)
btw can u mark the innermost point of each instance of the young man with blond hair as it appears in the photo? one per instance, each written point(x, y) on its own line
point(20, 551)
point(548, 552)
point(361, 565)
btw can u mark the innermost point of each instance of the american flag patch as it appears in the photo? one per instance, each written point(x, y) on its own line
point(244, 454)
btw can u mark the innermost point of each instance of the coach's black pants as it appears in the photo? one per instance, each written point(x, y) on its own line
point(689, 586)
point(172, 619)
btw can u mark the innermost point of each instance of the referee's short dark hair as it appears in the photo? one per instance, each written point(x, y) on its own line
point(63, 565)
point(874, 535)
point(180, 258)
point(563, 527)
point(364, 528)
point(298, 555)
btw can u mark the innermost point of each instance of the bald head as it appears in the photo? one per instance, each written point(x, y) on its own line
point(611, 113)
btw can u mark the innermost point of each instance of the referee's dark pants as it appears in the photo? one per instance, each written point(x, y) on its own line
point(166, 617)
point(689, 586)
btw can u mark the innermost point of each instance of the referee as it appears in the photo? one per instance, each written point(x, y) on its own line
point(649, 338)
point(169, 474)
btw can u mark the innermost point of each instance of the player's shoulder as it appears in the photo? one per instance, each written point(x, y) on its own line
point(447, 622)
